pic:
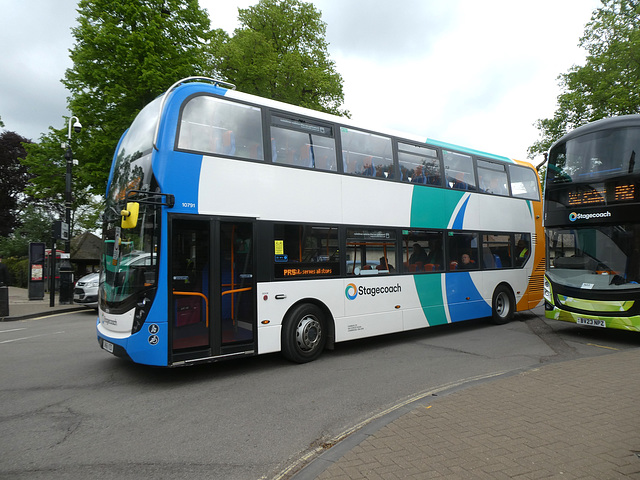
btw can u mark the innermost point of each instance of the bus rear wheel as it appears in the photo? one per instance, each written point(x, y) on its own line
point(303, 333)
point(503, 305)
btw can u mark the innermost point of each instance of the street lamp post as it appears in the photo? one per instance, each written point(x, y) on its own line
point(66, 270)
point(67, 191)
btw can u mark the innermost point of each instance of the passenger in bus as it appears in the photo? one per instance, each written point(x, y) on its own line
point(418, 255)
point(523, 252)
point(435, 254)
point(418, 176)
point(458, 182)
point(384, 265)
point(368, 169)
point(465, 262)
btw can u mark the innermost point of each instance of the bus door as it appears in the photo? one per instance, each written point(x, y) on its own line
point(190, 284)
point(237, 290)
point(213, 287)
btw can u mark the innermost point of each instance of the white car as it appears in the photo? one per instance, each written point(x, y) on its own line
point(86, 290)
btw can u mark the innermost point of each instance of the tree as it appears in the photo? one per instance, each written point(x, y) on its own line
point(609, 82)
point(47, 165)
point(35, 227)
point(125, 54)
point(280, 52)
point(13, 179)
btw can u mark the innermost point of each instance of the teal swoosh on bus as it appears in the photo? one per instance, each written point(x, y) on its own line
point(429, 288)
point(442, 202)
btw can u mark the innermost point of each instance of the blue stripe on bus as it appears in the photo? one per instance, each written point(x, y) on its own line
point(463, 298)
point(457, 223)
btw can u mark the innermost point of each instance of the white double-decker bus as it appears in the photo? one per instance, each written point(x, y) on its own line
point(236, 225)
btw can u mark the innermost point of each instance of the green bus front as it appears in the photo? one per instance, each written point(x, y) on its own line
point(592, 223)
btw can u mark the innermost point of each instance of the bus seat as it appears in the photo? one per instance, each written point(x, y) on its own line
point(428, 267)
point(412, 267)
point(366, 267)
point(274, 150)
point(188, 311)
point(453, 265)
point(498, 261)
point(228, 143)
point(487, 258)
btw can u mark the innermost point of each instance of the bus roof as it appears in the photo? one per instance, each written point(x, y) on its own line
point(599, 125)
point(247, 97)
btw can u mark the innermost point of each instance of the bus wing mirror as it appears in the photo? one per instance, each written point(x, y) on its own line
point(130, 215)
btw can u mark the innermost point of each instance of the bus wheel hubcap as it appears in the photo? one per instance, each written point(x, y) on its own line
point(502, 305)
point(308, 333)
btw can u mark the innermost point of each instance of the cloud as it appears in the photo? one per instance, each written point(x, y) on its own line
point(36, 39)
point(379, 31)
point(477, 74)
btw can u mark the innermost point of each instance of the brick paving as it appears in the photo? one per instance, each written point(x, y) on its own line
point(577, 419)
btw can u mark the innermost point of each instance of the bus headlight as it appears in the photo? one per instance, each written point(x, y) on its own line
point(547, 290)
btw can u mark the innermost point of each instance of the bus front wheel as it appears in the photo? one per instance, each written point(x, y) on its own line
point(503, 306)
point(303, 334)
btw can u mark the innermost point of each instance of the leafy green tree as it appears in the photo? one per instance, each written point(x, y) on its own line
point(47, 164)
point(35, 227)
point(608, 83)
point(280, 52)
point(126, 53)
point(13, 180)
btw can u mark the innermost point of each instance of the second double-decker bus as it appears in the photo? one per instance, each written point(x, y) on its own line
point(592, 222)
point(237, 225)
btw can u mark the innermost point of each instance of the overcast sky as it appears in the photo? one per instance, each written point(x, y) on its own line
point(473, 73)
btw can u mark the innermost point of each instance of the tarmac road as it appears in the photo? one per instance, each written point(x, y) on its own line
point(73, 411)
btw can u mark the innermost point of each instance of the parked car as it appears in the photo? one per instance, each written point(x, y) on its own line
point(86, 290)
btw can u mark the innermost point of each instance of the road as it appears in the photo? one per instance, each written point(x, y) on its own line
point(72, 411)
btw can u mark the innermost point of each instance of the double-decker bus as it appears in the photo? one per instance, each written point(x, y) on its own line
point(236, 225)
point(592, 223)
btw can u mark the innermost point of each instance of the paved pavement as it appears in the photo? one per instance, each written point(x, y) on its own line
point(20, 307)
point(576, 419)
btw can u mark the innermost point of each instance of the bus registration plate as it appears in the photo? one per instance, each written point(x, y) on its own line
point(591, 322)
point(108, 346)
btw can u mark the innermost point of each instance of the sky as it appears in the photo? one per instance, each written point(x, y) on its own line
point(471, 73)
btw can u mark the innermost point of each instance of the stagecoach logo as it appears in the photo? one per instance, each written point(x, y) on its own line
point(352, 291)
point(573, 216)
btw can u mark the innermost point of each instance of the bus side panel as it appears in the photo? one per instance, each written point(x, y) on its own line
point(429, 289)
point(464, 300)
point(150, 345)
point(367, 202)
point(293, 194)
point(273, 310)
point(535, 289)
point(423, 213)
point(376, 305)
